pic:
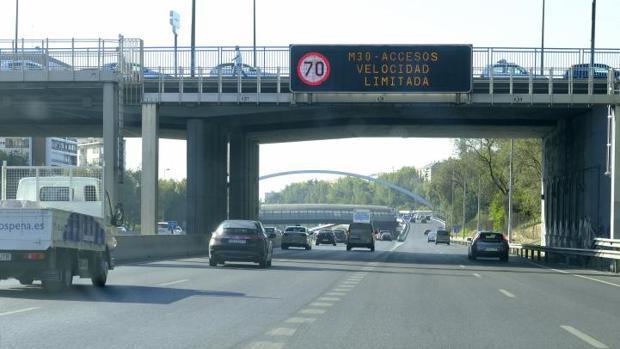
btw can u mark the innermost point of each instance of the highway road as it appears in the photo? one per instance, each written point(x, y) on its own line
point(404, 295)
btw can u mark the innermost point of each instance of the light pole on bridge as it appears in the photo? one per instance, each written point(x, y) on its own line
point(16, 23)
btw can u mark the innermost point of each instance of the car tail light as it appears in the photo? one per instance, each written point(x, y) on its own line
point(34, 256)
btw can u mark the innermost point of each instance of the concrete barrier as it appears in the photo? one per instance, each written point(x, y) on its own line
point(150, 247)
point(146, 247)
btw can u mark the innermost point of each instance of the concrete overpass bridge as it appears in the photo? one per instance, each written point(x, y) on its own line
point(383, 217)
point(225, 118)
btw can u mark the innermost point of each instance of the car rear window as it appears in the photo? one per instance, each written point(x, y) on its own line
point(239, 231)
point(296, 230)
point(360, 228)
point(490, 237)
point(442, 232)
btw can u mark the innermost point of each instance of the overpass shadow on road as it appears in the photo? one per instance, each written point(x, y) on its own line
point(117, 294)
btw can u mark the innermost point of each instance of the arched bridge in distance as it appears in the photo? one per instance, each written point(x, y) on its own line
point(415, 197)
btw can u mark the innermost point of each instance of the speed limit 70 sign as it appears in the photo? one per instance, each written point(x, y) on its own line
point(313, 69)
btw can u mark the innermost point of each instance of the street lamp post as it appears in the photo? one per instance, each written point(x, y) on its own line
point(592, 36)
point(254, 32)
point(542, 40)
point(510, 192)
point(16, 23)
point(175, 22)
point(193, 43)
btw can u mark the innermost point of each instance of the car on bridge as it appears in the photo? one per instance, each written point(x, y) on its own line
point(247, 71)
point(488, 244)
point(296, 236)
point(600, 71)
point(360, 235)
point(326, 236)
point(504, 69)
point(240, 241)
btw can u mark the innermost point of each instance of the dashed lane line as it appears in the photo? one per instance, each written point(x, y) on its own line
point(584, 337)
point(506, 293)
point(282, 331)
point(6, 313)
point(312, 311)
point(173, 282)
point(300, 320)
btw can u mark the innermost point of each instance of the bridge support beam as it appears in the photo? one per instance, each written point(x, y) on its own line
point(111, 134)
point(149, 181)
point(206, 176)
point(244, 156)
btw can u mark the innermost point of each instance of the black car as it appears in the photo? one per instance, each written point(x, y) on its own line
point(325, 237)
point(488, 244)
point(240, 241)
point(341, 235)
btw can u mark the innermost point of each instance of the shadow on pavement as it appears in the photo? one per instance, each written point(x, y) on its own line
point(117, 294)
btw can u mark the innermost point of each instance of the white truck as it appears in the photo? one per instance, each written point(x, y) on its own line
point(53, 230)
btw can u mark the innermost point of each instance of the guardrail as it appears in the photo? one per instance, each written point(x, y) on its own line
point(545, 253)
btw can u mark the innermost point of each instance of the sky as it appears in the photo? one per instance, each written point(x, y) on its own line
point(283, 22)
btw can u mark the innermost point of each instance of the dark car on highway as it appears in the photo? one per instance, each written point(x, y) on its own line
point(240, 241)
point(326, 237)
point(488, 244)
point(341, 235)
point(442, 237)
point(360, 235)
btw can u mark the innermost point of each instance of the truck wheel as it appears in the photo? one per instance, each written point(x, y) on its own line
point(100, 276)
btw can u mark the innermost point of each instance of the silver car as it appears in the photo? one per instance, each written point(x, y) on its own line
point(488, 244)
point(442, 237)
point(296, 236)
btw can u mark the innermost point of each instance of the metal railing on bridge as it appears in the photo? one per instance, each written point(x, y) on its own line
point(152, 69)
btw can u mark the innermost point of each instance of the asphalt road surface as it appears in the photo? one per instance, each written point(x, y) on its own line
point(408, 294)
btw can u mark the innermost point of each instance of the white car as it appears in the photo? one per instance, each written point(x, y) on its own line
point(431, 236)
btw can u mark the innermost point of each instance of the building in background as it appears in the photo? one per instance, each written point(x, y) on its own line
point(42, 151)
point(426, 172)
point(17, 146)
point(90, 152)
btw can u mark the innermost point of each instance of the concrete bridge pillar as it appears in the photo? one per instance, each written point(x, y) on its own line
point(614, 232)
point(206, 176)
point(149, 181)
point(111, 140)
point(243, 195)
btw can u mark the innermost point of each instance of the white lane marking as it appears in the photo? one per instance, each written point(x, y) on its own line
point(341, 289)
point(477, 275)
point(312, 311)
point(506, 293)
point(328, 299)
point(584, 337)
point(265, 345)
point(461, 265)
point(350, 282)
point(173, 282)
point(18, 311)
point(577, 275)
point(300, 320)
point(397, 245)
point(335, 294)
point(282, 331)
point(321, 304)
point(597, 280)
point(346, 286)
